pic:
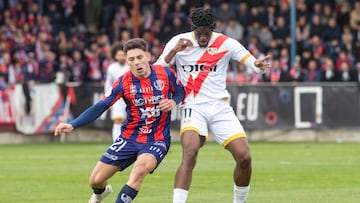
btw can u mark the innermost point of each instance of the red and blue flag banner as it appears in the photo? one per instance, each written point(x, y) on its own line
point(47, 107)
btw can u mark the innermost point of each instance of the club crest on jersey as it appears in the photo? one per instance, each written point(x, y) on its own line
point(212, 50)
point(159, 85)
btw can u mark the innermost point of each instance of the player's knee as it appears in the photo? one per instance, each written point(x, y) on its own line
point(244, 161)
point(95, 181)
point(190, 157)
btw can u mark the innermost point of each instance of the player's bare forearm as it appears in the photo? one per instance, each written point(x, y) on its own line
point(180, 46)
point(170, 56)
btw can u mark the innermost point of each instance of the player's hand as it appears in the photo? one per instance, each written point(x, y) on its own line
point(167, 105)
point(180, 46)
point(63, 128)
point(263, 63)
point(183, 44)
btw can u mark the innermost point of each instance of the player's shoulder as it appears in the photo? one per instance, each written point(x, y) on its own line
point(160, 69)
point(229, 43)
point(126, 76)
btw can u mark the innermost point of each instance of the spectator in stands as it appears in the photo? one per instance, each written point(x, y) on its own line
point(331, 30)
point(332, 49)
point(225, 13)
point(344, 73)
point(313, 73)
point(317, 46)
point(349, 44)
point(265, 36)
point(281, 30)
point(328, 72)
point(122, 17)
point(355, 73)
point(93, 9)
point(343, 57)
point(243, 16)
point(276, 73)
point(26, 25)
point(343, 17)
point(78, 71)
point(327, 14)
point(296, 73)
point(271, 17)
point(355, 18)
point(316, 28)
point(284, 59)
point(178, 13)
point(234, 29)
point(305, 57)
point(47, 67)
point(302, 33)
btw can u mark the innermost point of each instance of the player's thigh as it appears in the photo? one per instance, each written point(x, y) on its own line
point(226, 126)
point(239, 148)
point(157, 151)
point(144, 164)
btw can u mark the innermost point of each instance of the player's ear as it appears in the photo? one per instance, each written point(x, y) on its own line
point(148, 56)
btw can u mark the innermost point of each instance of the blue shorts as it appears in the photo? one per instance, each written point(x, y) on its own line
point(124, 152)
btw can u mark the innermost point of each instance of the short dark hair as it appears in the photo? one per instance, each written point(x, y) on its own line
point(203, 18)
point(117, 47)
point(135, 43)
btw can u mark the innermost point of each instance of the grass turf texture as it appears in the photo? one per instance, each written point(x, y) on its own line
point(282, 173)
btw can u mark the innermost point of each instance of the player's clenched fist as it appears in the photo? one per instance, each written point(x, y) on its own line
point(63, 128)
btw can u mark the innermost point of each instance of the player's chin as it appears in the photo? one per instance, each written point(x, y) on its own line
point(203, 44)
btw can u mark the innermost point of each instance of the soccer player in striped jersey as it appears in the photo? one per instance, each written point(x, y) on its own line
point(150, 93)
point(201, 58)
point(114, 71)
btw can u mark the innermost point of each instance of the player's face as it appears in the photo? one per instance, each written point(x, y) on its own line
point(203, 36)
point(138, 60)
point(120, 57)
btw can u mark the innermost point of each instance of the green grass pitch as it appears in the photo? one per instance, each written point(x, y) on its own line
point(282, 173)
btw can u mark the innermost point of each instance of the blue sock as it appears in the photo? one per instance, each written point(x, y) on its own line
point(126, 195)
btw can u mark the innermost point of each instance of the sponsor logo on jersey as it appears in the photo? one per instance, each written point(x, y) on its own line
point(158, 84)
point(148, 100)
point(198, 68)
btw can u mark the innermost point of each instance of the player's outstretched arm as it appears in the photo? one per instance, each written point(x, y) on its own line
point(63, 128)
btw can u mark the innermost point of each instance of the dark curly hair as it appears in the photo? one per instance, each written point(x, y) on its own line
point(117, 47)
point(203, 18)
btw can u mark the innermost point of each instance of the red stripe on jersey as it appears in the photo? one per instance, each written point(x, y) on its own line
point(162, 75)
point(127, 86)
point(209, 59)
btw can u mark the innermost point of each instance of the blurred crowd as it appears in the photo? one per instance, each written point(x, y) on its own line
point(62, 41)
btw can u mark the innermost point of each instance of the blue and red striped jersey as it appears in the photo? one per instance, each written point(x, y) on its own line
point(145, 122)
